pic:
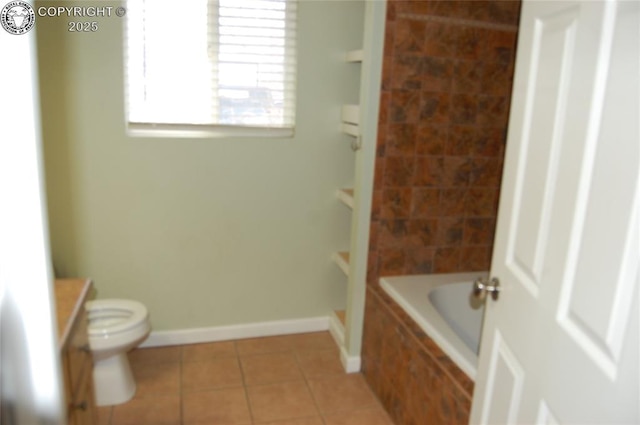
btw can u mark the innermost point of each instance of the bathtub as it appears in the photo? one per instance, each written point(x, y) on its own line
point(442, 305)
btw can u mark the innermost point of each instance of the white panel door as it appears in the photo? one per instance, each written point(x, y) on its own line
point(560, 345)
point(31, 390)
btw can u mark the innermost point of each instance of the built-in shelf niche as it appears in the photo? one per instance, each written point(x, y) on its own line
point(351, 120)
point(338, 325)
point(354, 55)
point(342, 260)
point(346, 197)
point(358, 119)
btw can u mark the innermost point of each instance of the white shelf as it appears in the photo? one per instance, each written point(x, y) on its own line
point(351, 114)
point(346, 197)
point(342, 260)
point(350, 129)
point(350, 117)
point(354, 55)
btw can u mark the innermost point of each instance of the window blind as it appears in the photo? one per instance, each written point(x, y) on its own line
point(211, 64)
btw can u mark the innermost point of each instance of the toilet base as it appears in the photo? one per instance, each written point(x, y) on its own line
point(113, 381)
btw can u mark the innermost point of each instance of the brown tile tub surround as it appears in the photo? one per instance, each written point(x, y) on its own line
point(446, 86)
point(417, 383)
point(447, 76)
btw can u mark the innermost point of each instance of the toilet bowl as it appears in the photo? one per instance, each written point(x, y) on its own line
point(115, 327)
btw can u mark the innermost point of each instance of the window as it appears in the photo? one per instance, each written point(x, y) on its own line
point(211, 67)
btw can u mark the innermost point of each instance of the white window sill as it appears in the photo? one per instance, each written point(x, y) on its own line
point(206, 131)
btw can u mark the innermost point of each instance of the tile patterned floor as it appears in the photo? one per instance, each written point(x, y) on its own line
point(281, 380)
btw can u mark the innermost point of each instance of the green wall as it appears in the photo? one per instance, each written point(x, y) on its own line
point(205, 232)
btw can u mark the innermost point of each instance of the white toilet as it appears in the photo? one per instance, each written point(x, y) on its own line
point(115, 327)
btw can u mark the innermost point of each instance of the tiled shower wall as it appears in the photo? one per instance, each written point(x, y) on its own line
point(446, 87)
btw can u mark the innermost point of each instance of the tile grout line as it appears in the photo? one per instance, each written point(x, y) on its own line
point(181, 369)
point(245, 388)
point(306, 382)
point(475, 23)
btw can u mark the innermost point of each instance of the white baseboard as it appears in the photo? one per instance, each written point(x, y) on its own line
point(351, 364)
point(225, 333)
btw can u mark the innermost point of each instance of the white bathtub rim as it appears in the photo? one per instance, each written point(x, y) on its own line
point(439, 330)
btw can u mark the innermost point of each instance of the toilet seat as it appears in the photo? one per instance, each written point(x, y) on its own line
point(108, 317)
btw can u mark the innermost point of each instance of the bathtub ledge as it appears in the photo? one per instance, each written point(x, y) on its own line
point(411, 294)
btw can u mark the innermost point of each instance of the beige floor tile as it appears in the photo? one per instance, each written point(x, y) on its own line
point(287, 400)
point(313, 341)
point(316, 420)
point(156, 379)
point(208, 351)
point(155, 355)
point(160, 410)
point(270, 368)
point(269, 344)
point(104, 415)
point(349, 392)
point(372, 416)
point(254, 381)
point(320, 363)
point(211, 374)
point(219, 407)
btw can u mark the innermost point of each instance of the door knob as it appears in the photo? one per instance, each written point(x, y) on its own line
point(481, 288)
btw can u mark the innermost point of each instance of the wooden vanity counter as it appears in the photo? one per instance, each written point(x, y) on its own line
point(77, 364)
point(70, 294)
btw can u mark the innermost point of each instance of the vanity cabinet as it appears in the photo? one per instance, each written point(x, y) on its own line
point(77, 363)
